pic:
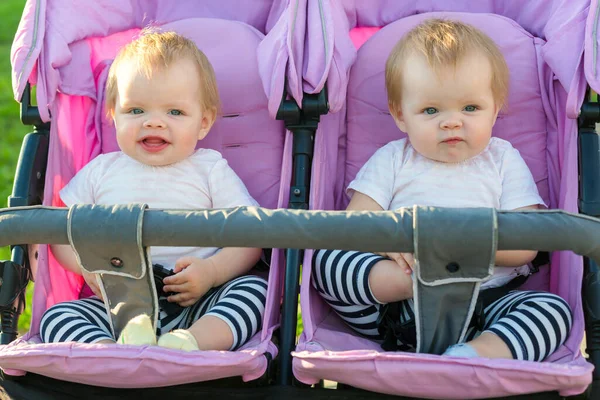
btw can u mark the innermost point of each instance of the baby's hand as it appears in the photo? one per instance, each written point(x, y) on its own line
point(92, 282)
point(193, 278)
point(405, 260)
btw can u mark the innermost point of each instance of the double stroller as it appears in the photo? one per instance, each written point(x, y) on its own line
point(304, 107)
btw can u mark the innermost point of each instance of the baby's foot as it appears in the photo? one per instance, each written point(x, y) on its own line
point(462, 350)
point(139, 332)
point(179, 339)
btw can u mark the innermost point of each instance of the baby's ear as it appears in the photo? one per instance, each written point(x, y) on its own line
point(396, 113)
point(208, 119)
point(498, 109)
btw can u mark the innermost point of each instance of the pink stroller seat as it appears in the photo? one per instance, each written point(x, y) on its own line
point(546, 92)
point(69, 63)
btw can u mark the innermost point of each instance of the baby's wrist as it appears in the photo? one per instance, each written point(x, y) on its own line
point(213, 272)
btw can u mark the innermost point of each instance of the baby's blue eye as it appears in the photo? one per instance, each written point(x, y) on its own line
point(175, 112)
point(136, 111)
point(470, 108)
point(430, 110)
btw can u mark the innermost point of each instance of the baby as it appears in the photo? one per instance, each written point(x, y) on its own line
point(446, 82)
point(162, 95)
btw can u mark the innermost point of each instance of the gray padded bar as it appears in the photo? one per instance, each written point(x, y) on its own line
point(259, 227)
point(100, 235)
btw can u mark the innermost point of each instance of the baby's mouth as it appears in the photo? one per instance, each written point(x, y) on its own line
point(452, 140)
point(153, 144)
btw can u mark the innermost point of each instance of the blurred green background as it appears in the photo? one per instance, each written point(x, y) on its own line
point(11, 129)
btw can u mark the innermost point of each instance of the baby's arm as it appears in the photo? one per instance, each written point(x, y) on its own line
point(516, 258)
point(65, 255)
point(362, 202)
point(389, 280)
point(232, 262)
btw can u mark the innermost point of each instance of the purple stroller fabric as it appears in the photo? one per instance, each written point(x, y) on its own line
point(544, 44)
point(66, 48)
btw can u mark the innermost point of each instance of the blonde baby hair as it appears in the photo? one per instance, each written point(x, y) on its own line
point(154, 50)
point(444, 43)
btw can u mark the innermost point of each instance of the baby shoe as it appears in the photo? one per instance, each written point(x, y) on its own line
point(179, 339)
point(138, 331)
point(462, 350)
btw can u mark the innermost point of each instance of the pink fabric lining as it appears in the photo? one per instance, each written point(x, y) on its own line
point(361, 34)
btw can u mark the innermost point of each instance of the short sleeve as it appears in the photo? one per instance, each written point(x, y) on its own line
point(376, 177)
point(80, 189)
point(518, 187)
point(226, 188)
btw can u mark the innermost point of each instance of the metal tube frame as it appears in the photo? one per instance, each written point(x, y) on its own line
point(303, 125)
point(589, 204)
point(28, 189)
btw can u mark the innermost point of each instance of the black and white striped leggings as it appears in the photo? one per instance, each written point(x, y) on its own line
point(240, 303)
point(532, 324)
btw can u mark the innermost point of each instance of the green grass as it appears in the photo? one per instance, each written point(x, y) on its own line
point(11, 129)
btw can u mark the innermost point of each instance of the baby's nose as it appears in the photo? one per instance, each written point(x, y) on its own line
point(153, 122)
point(451, 123)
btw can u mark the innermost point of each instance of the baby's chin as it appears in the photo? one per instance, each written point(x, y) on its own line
point(155, 160)
point(457, 155)
point(451, 158)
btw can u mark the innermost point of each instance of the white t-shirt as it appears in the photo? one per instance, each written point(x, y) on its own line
point(398, 176)
point(203, 180)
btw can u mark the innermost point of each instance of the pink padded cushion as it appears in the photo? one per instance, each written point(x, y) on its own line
point(522, 122)
point(244, 133)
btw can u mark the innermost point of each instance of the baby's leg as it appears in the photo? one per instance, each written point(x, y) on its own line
point(380, 279)
point(352, 283)
point(524, 325)
point(83, 321)
point(224, 319)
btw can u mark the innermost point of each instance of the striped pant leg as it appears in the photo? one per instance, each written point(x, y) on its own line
point(533, 324)
point(342, 280)
point(83, 321)
point(240, 303)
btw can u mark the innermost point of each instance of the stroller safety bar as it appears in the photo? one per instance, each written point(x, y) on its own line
point(363, 230)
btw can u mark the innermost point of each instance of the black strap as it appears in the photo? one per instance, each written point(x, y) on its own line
point(542, 258)
point(488, 296)
point(394, 331)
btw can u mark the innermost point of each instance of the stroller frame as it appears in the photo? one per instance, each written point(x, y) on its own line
point(589, 198)
point(303, 123)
